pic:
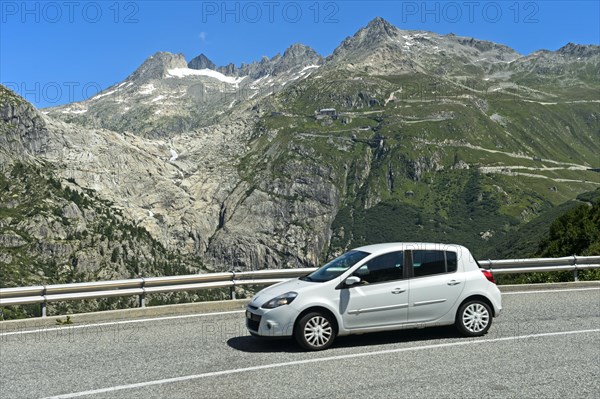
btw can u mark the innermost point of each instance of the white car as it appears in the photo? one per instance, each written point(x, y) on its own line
point(378, 288)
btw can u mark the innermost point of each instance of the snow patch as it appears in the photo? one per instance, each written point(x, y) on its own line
point(182, 72)
point(309, 67)
point(174, 156)
point(257, 81)
point(539, 102)
point(161, 97)
point(102, 95)
point(302, 74)
point(147, 89)
point(74, 111)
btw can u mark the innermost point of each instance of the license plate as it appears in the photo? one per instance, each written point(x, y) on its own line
point(252, 316)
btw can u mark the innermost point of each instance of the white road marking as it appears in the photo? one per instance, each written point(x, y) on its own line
point(547, 291)
point(112, 323)
point(308, 361)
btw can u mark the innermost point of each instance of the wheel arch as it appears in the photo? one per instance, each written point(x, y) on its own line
point(319, 309)
point(476, 297)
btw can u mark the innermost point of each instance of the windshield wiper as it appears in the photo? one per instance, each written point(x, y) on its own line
point(306, 278)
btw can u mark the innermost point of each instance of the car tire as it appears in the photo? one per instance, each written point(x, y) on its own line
point(474, 318)
point(315, 331)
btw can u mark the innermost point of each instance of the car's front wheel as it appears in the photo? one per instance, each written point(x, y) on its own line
point(474, 318)
point(315, 331)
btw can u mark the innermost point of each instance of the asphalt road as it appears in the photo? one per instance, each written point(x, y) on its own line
point(545, 344)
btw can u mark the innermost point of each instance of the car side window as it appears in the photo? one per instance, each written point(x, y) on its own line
point(428, 262)
point(451, 262)
point(387, 267)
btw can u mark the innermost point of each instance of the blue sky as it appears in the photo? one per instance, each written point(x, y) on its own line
point(55, 52)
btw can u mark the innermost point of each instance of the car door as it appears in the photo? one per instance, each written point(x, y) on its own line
point(435, 284)
point(381, 298)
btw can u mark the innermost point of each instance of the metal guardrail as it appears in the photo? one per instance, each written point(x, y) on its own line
point(141, 286)
point(44, 294)
point(567, 263)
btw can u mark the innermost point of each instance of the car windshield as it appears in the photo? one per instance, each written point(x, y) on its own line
point(336, 267)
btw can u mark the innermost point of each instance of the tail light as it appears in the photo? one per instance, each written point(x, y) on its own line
point(488, 274)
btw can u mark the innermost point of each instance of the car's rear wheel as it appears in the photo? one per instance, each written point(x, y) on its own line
point(315, 331)
point(474, 318)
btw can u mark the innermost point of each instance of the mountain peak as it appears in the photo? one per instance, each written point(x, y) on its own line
point(379, 29)
point(381, 25)
point(201, 62)
point(579, 50)
point(372, 36)
point(157, 65)
point(298, 49)
point(295, 56)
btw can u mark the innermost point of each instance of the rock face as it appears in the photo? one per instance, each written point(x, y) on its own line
point(23, 132)
point(230, 167)
point(276, 230)
point(60, 233)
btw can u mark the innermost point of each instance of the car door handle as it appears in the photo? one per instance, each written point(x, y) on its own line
point(453, 282)
point(398, 290)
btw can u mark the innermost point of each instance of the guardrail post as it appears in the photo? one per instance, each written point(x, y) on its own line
point(143, 294)
point(575, 271)
point(44, 304)
point(232, 288)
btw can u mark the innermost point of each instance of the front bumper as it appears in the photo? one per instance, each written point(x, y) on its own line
point(278, 322)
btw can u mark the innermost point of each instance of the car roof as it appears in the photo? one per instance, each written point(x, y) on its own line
point(401, 246)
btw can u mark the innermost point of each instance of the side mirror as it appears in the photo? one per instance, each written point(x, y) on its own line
point(352, 280)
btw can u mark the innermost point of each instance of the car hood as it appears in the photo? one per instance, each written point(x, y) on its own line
point(280, 288)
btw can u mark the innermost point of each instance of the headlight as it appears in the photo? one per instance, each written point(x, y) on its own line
point(284, 299)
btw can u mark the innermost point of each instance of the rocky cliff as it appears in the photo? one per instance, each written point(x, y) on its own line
point(23, 132)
